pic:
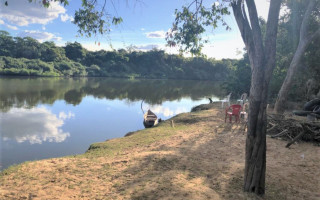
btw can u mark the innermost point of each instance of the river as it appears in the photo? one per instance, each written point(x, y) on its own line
point(53, 117)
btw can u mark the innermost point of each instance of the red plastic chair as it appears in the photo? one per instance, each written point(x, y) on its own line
point(233, 110)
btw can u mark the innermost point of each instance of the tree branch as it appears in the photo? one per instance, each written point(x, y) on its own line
point(304, 23)
point(254, 21)
point(305, 38)
point(244, 27)
point(315, 34)
point(271, 37)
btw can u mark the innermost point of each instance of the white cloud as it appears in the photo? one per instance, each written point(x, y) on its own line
point(156, 34)
point(40, 36)
point(64, 116)
point(35, 125)
point(226, 45)
point(142, 29)
point(220, 49)
point(12, 27)
point(23, 13)
point(66, 17)
point(93, 46)
point(7, 25)
point(147, 47)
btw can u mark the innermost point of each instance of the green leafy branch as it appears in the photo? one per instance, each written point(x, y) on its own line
point(190, 23)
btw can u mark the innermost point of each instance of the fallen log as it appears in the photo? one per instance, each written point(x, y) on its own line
point(273, 127)
point(280, 134)
point(301, 112)
point(295, 139)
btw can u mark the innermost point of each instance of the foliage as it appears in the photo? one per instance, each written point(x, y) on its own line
point(74, 51)
point(287, 42)
point(50, 53)
point(26, 56)
point(239, 78)
point(26, 67)
point(190, 24)
point(89, 20)
point(70, 68)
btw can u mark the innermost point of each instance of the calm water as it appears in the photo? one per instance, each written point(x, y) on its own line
point(51, 117)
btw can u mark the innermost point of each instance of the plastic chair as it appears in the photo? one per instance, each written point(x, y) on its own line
point(233, 110)
point(226, 100)
point(244, 113)
point(242, 99)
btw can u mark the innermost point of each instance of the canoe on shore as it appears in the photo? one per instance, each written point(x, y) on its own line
point(150, 119)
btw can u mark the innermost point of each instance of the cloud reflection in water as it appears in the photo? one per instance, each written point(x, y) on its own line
point(35, 125)
point(167, 112)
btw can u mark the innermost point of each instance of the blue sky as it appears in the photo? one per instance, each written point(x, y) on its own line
point(144, 25)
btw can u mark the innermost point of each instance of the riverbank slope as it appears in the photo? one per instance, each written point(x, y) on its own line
point(198, 156)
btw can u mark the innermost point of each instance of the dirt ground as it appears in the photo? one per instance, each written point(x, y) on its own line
point(200, 157)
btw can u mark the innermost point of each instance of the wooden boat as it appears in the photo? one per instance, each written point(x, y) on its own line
point(150, 119)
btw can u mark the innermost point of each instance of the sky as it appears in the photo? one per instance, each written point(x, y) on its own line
point(145, 23)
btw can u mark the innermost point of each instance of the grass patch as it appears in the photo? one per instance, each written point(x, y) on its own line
point(143, 138)
point(11, 169)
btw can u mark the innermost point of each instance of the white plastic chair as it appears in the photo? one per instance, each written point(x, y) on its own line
point(226, 100)
point(242, 99)
point(244, 113)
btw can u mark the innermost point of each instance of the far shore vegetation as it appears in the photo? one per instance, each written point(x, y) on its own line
point(28, 57)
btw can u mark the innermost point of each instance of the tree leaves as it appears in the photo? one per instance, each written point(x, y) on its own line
point(190, 23)
point(117, 20)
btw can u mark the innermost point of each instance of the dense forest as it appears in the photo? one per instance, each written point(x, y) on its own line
point(26, 56)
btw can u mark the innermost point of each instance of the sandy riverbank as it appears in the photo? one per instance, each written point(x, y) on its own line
point(201, 157)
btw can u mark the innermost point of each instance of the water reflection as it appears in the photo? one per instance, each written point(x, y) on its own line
point(51, 117)
point(35, 125)
point(166, 111)
point(30, 92)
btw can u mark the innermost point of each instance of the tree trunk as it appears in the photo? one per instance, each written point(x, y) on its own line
point(304, 40)
point(287, 83)
point(255, 159)
point(262, 61)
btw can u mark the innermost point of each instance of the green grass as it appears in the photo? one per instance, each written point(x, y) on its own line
point(141, 138)
point(11, 169)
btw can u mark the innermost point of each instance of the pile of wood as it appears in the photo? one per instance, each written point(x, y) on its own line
point(293, 130)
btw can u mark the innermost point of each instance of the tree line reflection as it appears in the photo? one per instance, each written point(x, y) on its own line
point(30, 92)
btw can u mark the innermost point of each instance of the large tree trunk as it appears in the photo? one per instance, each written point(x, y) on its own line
point(304, 40)
point(287, 83)
point(262, 61)
point(255, 158)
